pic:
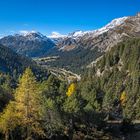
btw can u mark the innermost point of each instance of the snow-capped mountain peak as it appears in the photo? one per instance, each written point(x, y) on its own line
point(31, 35)
point(56, 35)
point(114, 23)
point(77, 34)
point(74, 38)
point(26, 33)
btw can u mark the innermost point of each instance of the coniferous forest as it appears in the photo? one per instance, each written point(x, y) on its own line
point(61, 83)
point(33, 107)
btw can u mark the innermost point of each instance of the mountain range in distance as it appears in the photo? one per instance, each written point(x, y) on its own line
point(76, 50)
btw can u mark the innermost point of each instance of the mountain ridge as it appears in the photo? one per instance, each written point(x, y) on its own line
point(31, 44)
point(73, 46)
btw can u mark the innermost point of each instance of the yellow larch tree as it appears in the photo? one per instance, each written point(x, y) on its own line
point(26, 110)
point(71, 89)
point(28, 103)
point(123, 98)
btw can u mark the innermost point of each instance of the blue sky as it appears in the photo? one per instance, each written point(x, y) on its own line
point(62, 16)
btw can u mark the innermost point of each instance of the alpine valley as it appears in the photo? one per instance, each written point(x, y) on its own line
point(84, 47)
point(80, 86)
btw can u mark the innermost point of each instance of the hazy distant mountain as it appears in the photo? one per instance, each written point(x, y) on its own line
point(32, 44)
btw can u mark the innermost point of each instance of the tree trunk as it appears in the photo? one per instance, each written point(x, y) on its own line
point(7, 135)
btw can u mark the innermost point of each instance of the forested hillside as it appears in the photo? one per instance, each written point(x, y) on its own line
point(14, 64)
point(49, 109)
point(115, 78)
